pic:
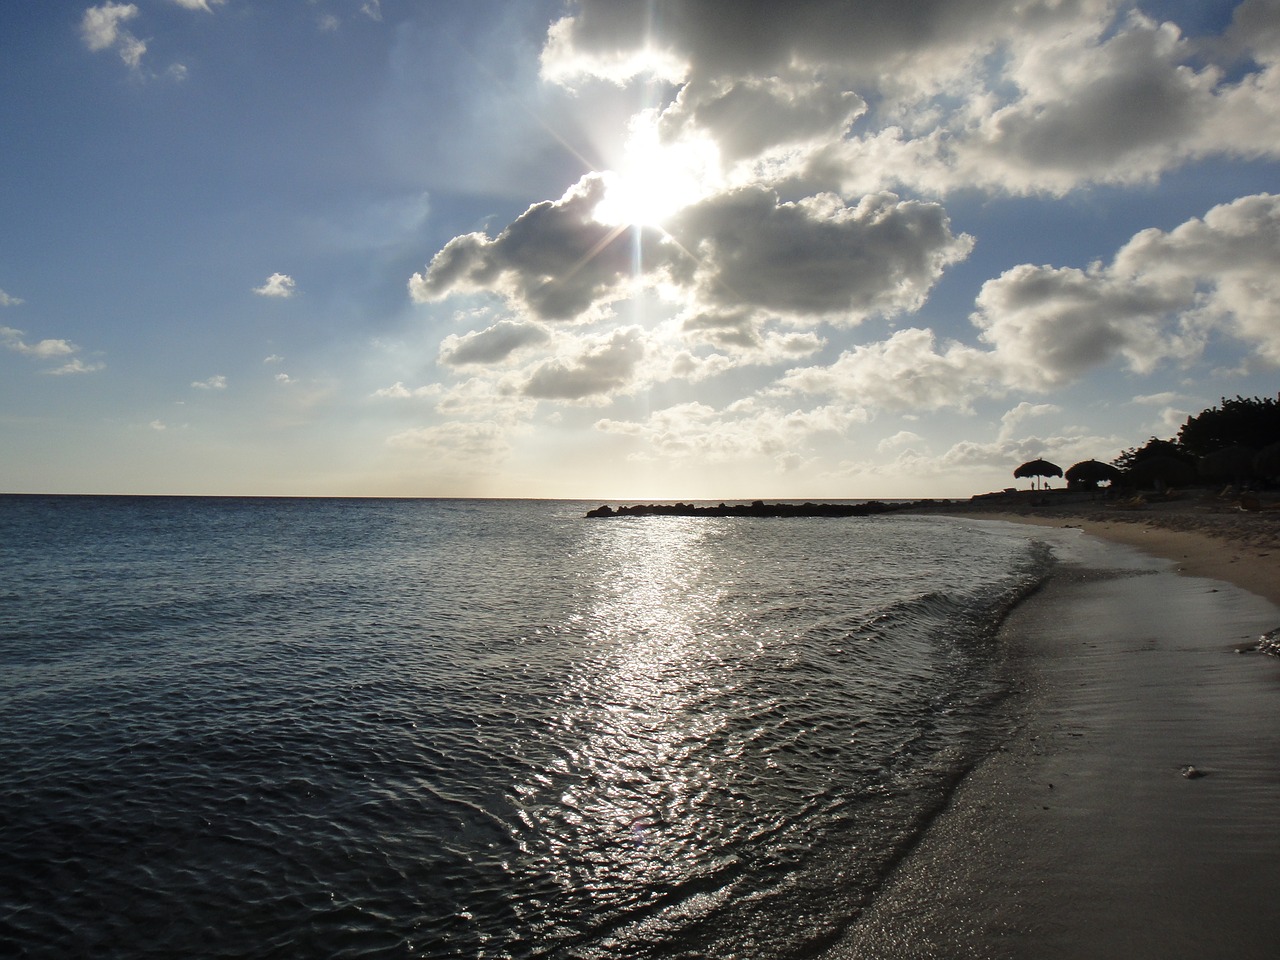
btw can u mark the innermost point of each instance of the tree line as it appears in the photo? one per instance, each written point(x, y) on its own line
point(1237, 441)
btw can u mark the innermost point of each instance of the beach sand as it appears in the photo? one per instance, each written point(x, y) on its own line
point(1082, 837)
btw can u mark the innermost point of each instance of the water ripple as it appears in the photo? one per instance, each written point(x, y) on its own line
point(466, 729)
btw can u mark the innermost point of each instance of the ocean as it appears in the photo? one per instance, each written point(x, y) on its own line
point(252, 727)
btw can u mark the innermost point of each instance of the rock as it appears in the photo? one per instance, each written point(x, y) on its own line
point(1191, 773)
point(1269, 642)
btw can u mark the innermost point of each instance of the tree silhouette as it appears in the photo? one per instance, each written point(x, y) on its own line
point(1154, 447)
point(1245, 421)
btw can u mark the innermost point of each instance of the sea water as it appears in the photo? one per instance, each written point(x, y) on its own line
point(467, 728)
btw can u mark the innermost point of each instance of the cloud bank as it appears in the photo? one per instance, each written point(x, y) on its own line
point(791, 277)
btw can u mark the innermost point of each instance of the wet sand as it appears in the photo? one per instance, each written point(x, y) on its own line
point(1082, 837)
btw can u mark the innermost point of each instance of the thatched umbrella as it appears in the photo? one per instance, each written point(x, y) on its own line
point(1159, 472)
point(1037, 468)
point(1087, 474)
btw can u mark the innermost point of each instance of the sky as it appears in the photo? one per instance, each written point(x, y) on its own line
point(616, 249)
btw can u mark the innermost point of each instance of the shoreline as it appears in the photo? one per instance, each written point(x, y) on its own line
point(1081, 836)
point(1204, 536)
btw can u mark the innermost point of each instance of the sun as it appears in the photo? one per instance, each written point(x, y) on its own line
point(657, 179)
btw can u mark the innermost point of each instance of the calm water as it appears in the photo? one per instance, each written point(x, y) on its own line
point(283, 728)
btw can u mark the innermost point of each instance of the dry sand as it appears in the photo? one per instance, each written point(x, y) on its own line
point(1082, 837)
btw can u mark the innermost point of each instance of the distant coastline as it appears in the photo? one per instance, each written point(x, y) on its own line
point(756, 508)
point(1205, 534)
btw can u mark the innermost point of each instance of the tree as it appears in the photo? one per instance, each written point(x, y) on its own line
point(1245, 421)
point(1154, 447)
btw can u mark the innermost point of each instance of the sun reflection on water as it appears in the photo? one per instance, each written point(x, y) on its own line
point(617, 814)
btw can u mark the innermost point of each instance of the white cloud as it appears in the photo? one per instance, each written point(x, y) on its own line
point(274, 358)
point(1157, 399)
point(748, 428)
point(565, 58)
point(1093, 106)
point(1012, 419)
point(904, 372)
point(158, 425)
point(277, 285)
point(457, 442)
point(902, 439)
point(48, 350)
point(218, 382)
point(8, 301)
point(100, 26)
point(1100, 103)
point(398, 391)
point(73, 366)
point(43, 349)
point(488, 399)
point(101, 29)
point(742, 337)
point(1160, 299)
point(1228, 259)
point(1171, 420)
point(1052, 325)
point(372, 9)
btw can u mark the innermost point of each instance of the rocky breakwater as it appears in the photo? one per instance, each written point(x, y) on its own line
point(756, 508)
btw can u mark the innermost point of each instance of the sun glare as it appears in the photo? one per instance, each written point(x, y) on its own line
point(655, 180)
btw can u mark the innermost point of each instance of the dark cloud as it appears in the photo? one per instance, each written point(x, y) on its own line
point(739, 251)
point(732, 38)
point(1008, 95)
point(1255, 26)
point(1051, 325)
point(491, 345)
point(750, 116)
point(734, 328)
point(1124, 97)
point(815, 257)
point(556, 259)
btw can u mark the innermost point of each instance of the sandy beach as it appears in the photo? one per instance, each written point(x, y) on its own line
point(1205, 535)
point(1089, 834)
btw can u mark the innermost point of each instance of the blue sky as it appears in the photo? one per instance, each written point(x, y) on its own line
point(623, 249)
